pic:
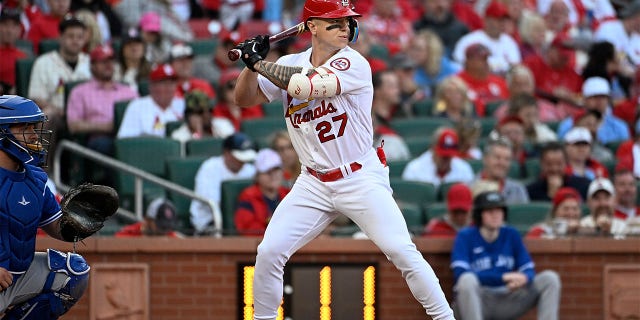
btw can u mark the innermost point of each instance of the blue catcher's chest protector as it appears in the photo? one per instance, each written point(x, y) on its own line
point(23, 202)
point(50, 304)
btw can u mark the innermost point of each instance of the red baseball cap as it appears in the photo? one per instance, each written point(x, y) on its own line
point(565, 193)
point(459, 197)
point(163, 72)
point(447, 144)
point(101, 53)
point(496, 10)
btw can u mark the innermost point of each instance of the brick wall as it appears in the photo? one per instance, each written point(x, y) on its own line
point(197, 278)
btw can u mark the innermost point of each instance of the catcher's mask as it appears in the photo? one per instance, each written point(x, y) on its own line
point(28, 144)
point(327, 9)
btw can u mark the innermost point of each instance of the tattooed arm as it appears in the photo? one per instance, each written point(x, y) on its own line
point(276, 73)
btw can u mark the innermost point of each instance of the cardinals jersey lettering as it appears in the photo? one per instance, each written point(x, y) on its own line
point(327, 133)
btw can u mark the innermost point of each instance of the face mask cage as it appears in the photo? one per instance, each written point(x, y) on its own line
point(37, 148)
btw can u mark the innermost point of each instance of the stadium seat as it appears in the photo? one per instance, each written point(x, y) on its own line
point(26, 46)
point(419, 193)
point(230, 190)
point(273, 109)
point(533, 168)
point(260, 130)
point(172, 126)
point(205, 147)
point(523, 216)
point(487, 125)
point(417, 145)
point(47, 45)
point(68, 87)
point(23, 76)
point(476, 164)
point(514, 171)
point(396, 168)
point(435, 209)
point(418, 127)
point(491, 107)
point(183, 171)
point(413, 216)
point(143, 88)
point(423, 108)
point(203, 46)
point(443, 189)
point(553, 125)
point(119, 109)
point(148, 154)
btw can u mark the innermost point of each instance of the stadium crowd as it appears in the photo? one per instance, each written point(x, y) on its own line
point(538, 100)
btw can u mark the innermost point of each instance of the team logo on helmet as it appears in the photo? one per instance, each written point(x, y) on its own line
point(345, 3)
point(341, 64)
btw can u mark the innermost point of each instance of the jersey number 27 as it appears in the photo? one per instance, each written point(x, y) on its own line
point(324, 128)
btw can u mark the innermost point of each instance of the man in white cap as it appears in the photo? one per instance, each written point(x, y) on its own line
point(596, 92)
point(601, 204)
point(233, 164)
point(257, 202)
point(577, 145)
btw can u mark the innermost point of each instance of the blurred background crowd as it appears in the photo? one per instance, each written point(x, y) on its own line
point(537, 99)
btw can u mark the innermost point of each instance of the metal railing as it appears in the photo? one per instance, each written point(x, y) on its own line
point(139, 177)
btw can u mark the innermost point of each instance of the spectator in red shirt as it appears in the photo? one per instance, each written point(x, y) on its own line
point(257, 202)
point(387, 26)
point(564, 218)
point(160, 220)
point(45, 26)
point(10, 30)
point(628, 153)
point(555, 77)
point(181, 58)
point(226, 115)
point(484, 86)
point(458, 216)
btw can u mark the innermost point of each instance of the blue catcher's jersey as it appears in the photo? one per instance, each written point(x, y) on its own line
point(26, 204)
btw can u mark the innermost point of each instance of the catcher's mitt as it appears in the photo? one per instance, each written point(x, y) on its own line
point(84, 210)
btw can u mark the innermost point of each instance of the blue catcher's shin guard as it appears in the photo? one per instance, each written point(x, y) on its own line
point(49, 305)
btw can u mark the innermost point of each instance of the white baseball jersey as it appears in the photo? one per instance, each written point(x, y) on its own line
point(504, 50)
point(49, 74)
point(145, 118)
point(330, 132)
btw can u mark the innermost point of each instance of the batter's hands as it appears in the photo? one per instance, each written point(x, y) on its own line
point(254, 50)
point(6, 279)
point(514, 280)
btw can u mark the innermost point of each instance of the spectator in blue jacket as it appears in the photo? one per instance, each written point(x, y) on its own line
point(494, 274)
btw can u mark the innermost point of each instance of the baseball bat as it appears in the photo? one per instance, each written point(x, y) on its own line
point(234, 54)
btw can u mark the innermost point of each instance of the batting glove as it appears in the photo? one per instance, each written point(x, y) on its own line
point(254, 50)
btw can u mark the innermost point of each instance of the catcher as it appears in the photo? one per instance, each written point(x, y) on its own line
point(39, 285)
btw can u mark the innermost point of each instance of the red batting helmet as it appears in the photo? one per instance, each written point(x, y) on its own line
point(328, 9)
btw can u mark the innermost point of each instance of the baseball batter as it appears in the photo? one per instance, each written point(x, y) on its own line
point(327, 91)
